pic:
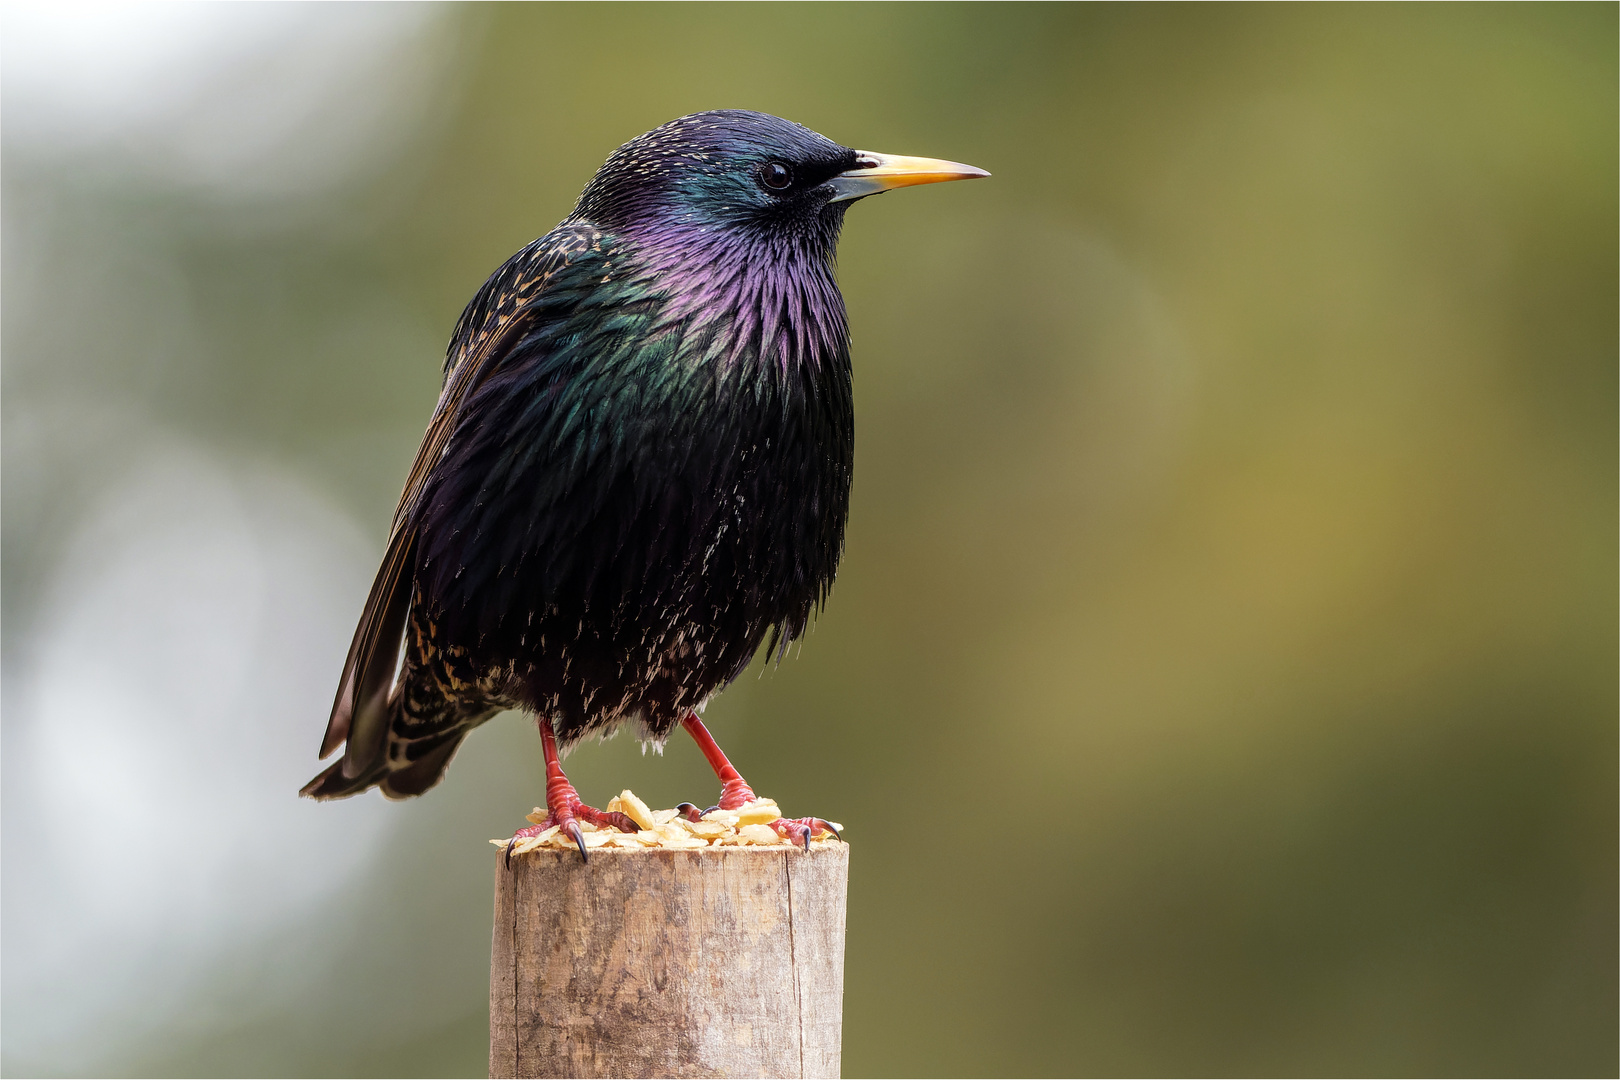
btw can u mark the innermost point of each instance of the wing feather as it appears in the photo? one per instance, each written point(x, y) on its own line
point(497, 315)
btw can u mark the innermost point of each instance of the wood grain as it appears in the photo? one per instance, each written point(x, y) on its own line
point(718, 962)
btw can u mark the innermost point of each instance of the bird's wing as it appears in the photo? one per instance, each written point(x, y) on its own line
point(497, 316)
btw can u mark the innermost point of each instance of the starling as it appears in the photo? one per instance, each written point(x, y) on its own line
point(638, 469)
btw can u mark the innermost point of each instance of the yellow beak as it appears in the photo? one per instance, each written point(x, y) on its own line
point(880, 172)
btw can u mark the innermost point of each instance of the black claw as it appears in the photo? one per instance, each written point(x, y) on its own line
point(510, 844)
point(710, 810)
point(579, 838)
point(807, 839)
point(832, 830)
point(689, 811)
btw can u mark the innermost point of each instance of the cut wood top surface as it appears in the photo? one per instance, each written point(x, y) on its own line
point(664, 830)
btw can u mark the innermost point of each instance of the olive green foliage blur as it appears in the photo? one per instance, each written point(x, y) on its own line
point(1221, 678)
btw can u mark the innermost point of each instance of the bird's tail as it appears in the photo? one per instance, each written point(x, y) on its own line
point(402, 783)
point(332, 784)
point(415, 752)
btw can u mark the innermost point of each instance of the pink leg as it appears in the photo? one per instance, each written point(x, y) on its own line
point(562, 802)
point(735, 792)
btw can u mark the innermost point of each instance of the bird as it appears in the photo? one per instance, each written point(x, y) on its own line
point(637, 472)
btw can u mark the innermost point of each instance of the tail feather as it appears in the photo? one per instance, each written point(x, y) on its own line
point(332, 784)
point(362, 713)
point(420, 775)
point(412, 780)
point(410, 764)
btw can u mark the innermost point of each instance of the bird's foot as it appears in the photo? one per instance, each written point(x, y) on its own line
point(567, 817)
point(800, 830)
point(735, 794)
point(564, 810)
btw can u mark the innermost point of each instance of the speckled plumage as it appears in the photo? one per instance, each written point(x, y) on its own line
point(639, 467)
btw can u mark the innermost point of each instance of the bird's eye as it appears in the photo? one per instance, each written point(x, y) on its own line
point(775, 175)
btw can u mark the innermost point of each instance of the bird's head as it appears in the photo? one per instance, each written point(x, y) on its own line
point(734, 171)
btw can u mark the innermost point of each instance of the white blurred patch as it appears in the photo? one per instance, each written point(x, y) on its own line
point(242, 98)
point(171, 706)
point(166, 695)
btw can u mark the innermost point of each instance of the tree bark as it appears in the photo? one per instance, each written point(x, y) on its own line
point(654, 962)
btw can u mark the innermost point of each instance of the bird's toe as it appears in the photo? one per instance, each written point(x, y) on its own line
point(802, 830)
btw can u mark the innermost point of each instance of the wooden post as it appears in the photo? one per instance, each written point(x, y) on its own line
point(727, 961)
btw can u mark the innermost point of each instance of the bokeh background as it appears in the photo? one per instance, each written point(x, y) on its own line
point(1222, 674)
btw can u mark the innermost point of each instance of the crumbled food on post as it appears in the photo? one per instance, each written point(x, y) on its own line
point(671, 830)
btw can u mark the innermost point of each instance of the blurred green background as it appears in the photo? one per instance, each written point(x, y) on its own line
point(1221, 678)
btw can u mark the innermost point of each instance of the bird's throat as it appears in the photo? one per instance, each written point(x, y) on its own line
point(771, 300)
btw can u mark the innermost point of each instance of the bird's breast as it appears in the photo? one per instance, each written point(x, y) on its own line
point(672, 446)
